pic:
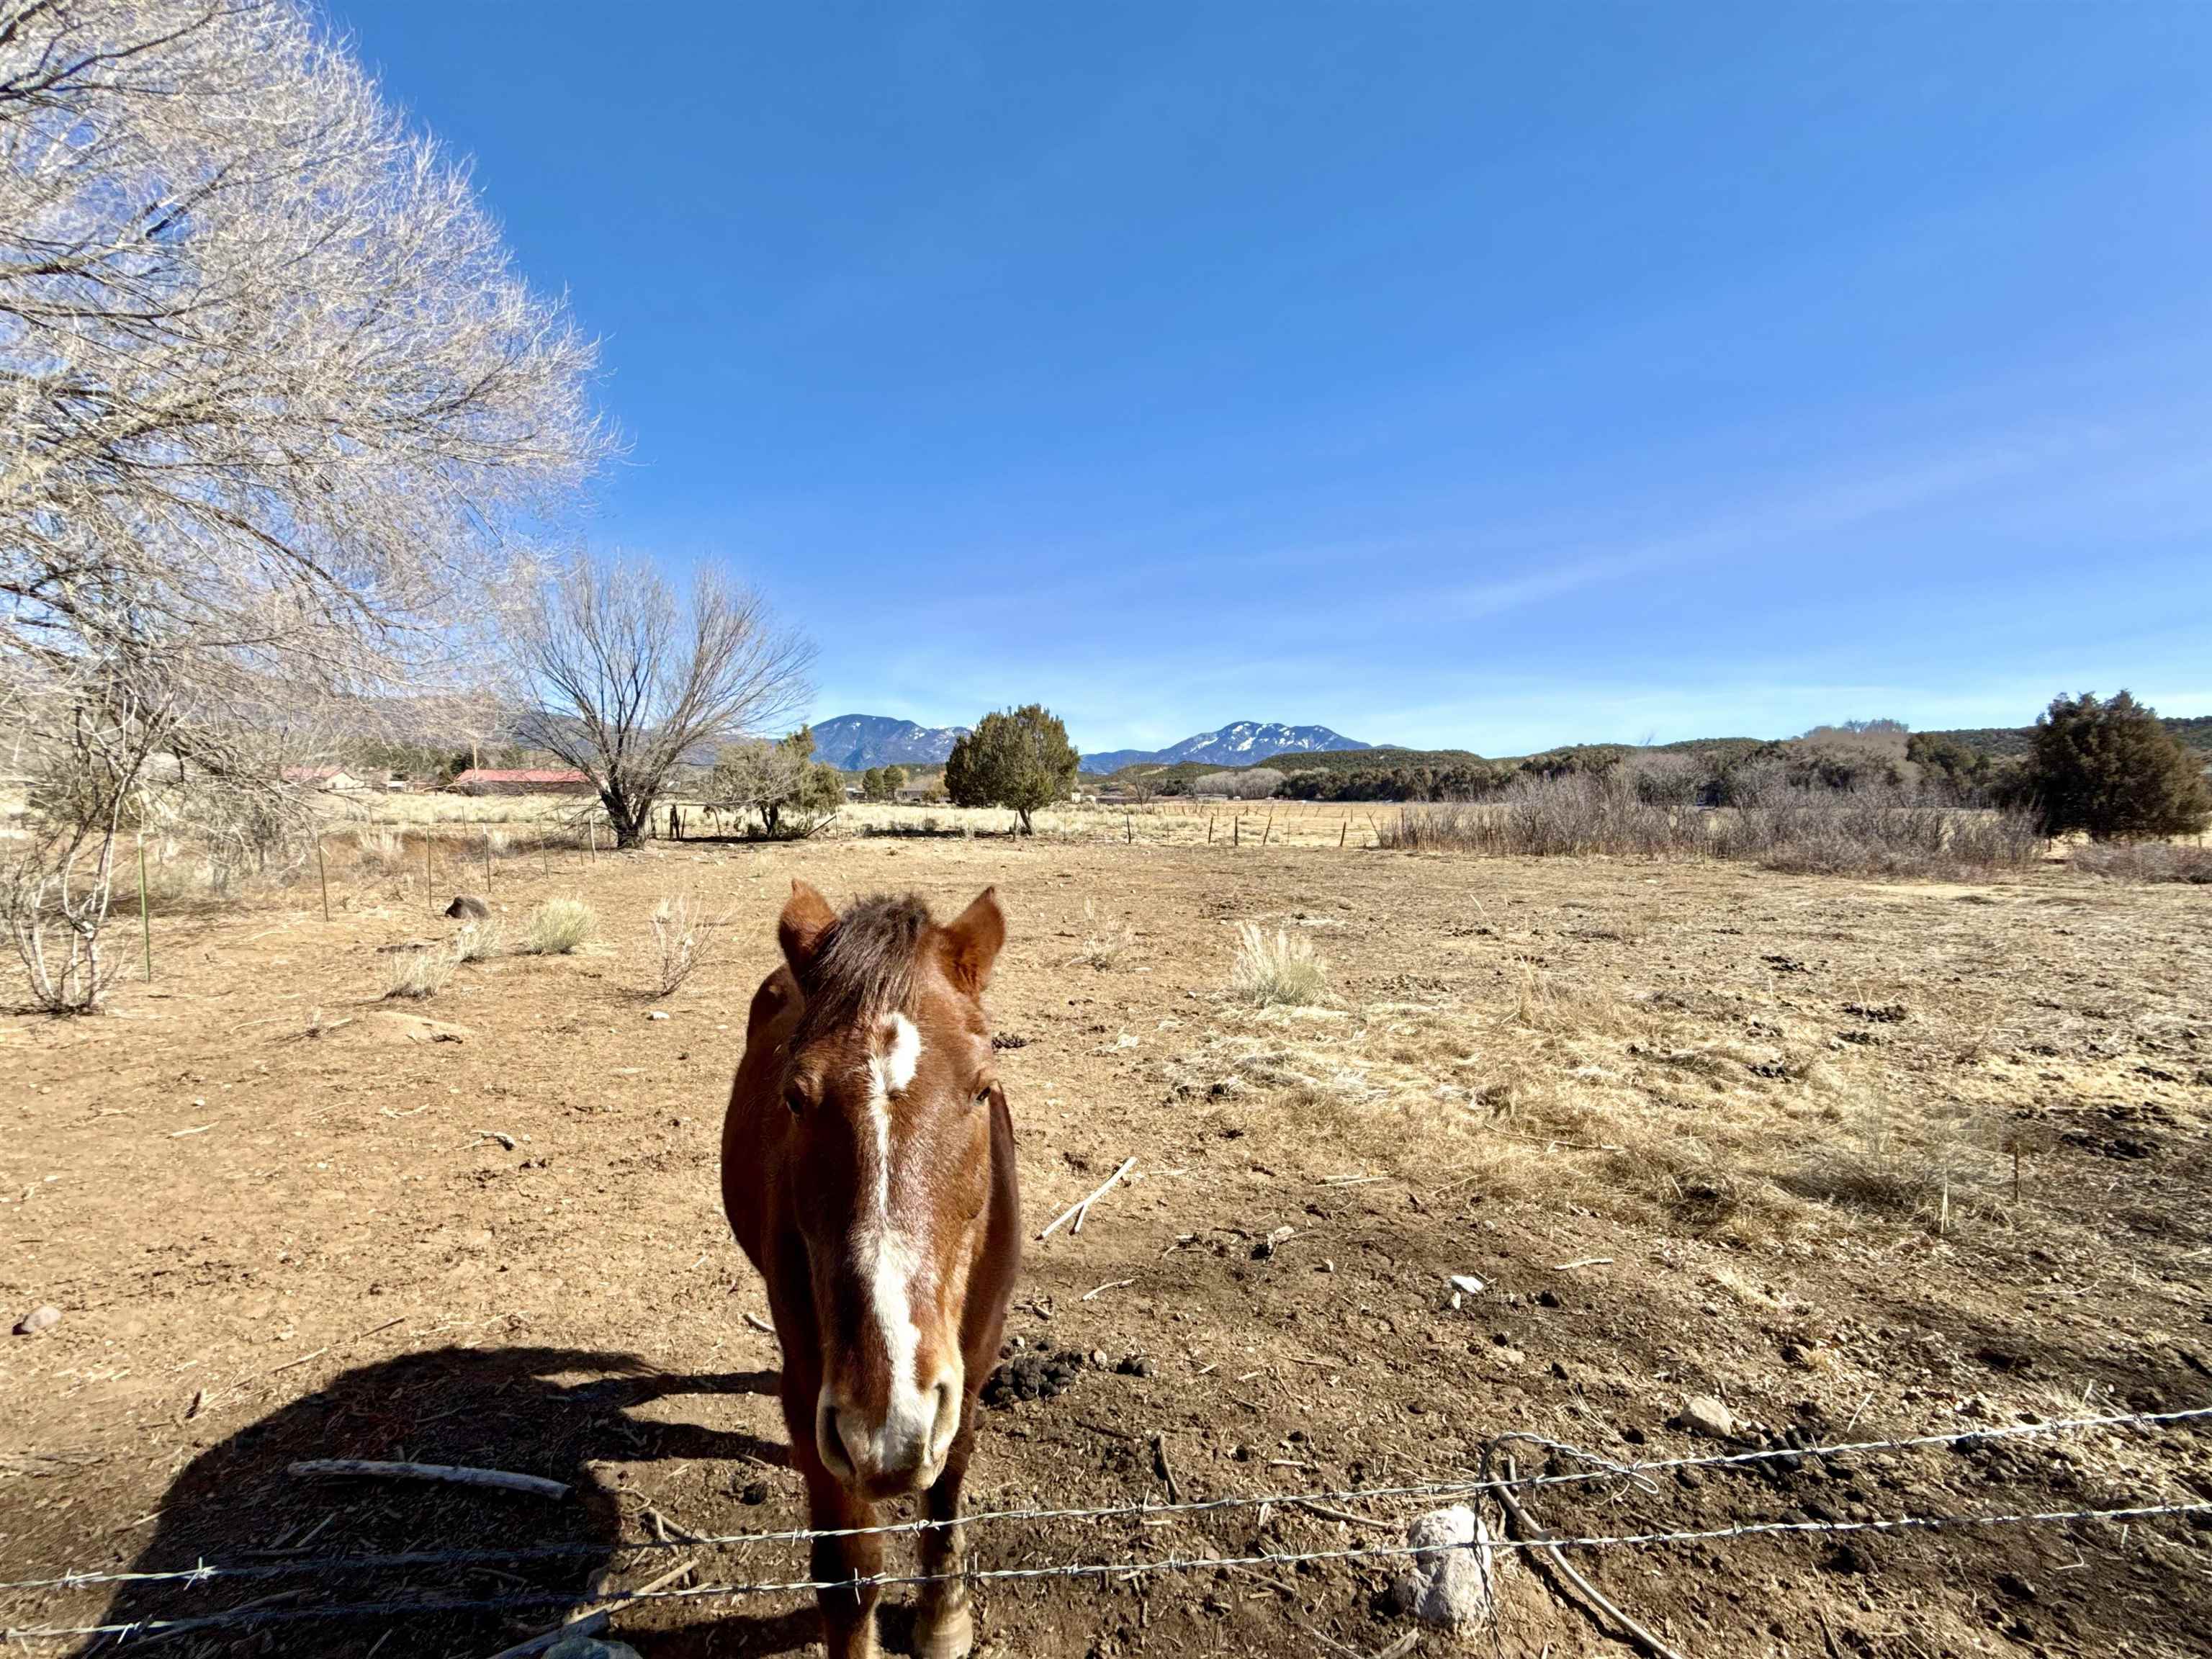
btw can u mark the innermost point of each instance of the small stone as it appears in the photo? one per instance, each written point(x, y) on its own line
point(1703, 1414)
point(1134, 1365)
point(1467, 1284)
point(656, 1014)
point(2012, 1584)
point(1098, 1359)
point(1448, 1580)
point(467, 907)
point(755, 1494)
point(38, 1319)
point(1549, 1299)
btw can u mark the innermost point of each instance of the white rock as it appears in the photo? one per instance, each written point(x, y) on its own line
point(37, 1320)
point(1449, 1581)
point(656, 1014)
point(1703, 1414)
point(1468, 1283)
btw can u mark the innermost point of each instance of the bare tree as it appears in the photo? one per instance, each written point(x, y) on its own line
point(274, 407)
point(624, 681)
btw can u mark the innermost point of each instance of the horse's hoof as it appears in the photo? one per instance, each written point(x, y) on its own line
point(950, 1635)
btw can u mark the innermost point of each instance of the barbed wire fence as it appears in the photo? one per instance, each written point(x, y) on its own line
point(254, 1616)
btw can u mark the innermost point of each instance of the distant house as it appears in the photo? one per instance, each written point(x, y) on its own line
point(521, 781)
point(322, 777)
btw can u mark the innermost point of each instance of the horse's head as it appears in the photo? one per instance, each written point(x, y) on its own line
point(889, 1079)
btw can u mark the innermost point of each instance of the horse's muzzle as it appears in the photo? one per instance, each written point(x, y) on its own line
point(902, 1451)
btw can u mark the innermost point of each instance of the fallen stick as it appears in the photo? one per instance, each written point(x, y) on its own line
point(1346, 1516)
point(1076, 1211)
point(452, 1474)
point(1643, 1638)
point(1110, 1284)
point(590, 1621)
point(1583, 1261)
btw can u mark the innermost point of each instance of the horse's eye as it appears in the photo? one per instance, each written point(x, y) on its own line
point(796, 1101)
point(983, 1095)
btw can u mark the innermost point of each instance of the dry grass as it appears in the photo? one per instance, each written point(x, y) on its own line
point(1103, 947)
point(418, 974)
point(557, 928)
point(1866, 832)
point(1278, 971)
point(481, 941)
point(2145, 861)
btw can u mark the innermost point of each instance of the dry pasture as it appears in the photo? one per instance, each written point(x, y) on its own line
point(1858, 1159)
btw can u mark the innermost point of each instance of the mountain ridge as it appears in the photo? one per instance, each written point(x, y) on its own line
point(1240, 743)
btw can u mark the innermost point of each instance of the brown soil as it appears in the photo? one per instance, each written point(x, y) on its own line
point(1856, 1160)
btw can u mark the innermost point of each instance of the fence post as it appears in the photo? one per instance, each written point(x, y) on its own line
point(1342, 833)
point(322, 875)
point(486, 863)
point(1268, 831)
point(1237, 830)
point(1209, 829)
point(1129, 823)
point(145, 916)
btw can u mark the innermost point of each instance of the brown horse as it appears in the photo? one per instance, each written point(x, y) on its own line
point(868, 1170)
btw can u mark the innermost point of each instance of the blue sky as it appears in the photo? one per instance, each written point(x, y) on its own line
point(1455, 375)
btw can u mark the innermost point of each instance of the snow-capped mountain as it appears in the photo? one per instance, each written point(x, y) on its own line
point(853, 742)
point(1241, 742)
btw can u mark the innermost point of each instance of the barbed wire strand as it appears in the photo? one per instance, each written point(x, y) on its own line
point(1471, 1487)
point(248, 1618)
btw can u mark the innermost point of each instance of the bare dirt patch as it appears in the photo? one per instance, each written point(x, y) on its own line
point(1946, 1169)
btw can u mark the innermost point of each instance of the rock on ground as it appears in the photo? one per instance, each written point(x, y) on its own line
point(37, 1320)
point(1703, 1414)
point(1449, 1581)
point(467, 907)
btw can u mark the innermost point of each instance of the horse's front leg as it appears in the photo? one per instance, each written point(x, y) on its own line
point(848, 1616)
point(945, 1626)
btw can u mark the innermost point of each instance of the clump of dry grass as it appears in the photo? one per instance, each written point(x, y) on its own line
point(417, 974)
point(1281, 970)
point(1103, 947)
point(383, 851)
point(557, 928)
point(2144, 860)
point(681, 936)
point(481, 941)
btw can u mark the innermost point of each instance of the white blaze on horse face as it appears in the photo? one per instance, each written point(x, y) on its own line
point(888, 1256)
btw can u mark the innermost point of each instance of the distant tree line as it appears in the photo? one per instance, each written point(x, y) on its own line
point(2110, 769)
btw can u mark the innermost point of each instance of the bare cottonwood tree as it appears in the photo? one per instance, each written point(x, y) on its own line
point(273, 406)
point(623, 680)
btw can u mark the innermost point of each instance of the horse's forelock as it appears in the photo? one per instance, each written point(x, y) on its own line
point(866, 966)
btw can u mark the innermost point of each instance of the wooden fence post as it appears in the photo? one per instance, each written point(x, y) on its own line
point(428, 875)
point(323, 875)
point(1209, 829)
point(1269, 830)
point(486, 863)
point(1342, 833)
point(1237, 830)
point(145, 916)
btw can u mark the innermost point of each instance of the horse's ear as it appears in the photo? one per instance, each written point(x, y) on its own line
point(972, 939)
point(806, 921)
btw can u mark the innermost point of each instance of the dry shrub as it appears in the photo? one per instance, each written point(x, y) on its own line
point(681, 936)
point(1282, 970)
point(557, 928)
point(2145, 861)
point(1103, 947)
point(1875, 830)
point(481, 941)
point(418, 973)
point(383, 851)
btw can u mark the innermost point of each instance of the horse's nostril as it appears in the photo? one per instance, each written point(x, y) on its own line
point(944, 1423)
point(830, 1438)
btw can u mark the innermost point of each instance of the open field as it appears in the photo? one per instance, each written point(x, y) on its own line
point(1859, 1159)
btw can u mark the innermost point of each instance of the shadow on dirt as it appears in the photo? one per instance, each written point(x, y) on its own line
point(548, 1411)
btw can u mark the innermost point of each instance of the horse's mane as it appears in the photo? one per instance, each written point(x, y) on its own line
point(864, 967)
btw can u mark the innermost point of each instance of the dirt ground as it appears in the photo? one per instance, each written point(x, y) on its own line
point(1858, 1160)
